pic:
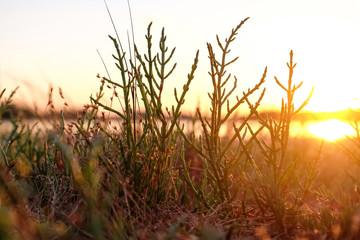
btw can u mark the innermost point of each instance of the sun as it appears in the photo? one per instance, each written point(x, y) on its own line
point(331, 129)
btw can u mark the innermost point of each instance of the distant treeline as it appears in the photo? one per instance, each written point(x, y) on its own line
point(345, 115)
point(28, 113)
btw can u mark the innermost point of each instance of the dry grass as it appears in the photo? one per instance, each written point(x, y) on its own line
point(139, 175)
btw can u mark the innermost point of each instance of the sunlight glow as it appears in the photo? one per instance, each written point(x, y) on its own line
point(331, 129)
point(324, 100)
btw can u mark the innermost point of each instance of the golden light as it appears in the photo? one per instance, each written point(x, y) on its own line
point(330, 98)
point(331, 129)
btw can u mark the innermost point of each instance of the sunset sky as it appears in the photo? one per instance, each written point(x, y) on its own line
point(45, 43)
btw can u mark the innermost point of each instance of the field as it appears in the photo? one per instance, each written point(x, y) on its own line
point(132, 170)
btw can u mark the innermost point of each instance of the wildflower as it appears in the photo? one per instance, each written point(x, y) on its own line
point(11, 164)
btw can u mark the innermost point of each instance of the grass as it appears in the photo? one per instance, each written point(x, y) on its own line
point(122, 173)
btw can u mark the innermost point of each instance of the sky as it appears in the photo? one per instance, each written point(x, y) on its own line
point(55, 43)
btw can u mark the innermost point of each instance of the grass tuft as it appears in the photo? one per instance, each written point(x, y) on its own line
point(131, 171)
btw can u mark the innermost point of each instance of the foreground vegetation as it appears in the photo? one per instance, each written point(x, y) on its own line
point(122, 173)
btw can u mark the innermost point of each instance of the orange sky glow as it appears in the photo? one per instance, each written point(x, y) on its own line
point(43, 43)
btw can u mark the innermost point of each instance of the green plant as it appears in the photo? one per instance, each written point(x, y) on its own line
point(148, 159)
point(216, 153)
point(272, 190)
point(120, 170)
